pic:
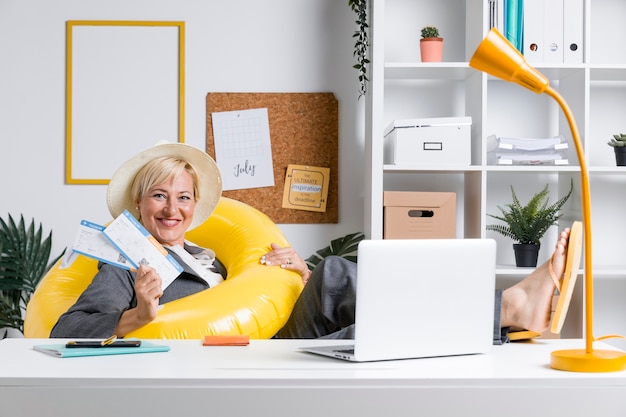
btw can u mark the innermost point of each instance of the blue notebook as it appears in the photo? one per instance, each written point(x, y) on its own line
point(60, 351)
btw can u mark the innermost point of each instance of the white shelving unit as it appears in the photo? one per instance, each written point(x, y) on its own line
point(401, 87)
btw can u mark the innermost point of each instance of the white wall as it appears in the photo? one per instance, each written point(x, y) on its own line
point(231, 46)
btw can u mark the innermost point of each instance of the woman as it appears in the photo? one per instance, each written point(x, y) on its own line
point(171, 188)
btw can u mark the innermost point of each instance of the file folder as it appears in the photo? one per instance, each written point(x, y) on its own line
point(496, 15)
point(514, 23)
point(573, 15)
point(534, 44)
point(60, 351)
point(553, 31)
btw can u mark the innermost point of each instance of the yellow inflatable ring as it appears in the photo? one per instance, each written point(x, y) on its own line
point(255, 300)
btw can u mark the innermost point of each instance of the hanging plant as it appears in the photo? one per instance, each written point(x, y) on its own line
point(362, 43)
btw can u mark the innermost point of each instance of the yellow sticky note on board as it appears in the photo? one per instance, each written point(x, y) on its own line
point(306, 188)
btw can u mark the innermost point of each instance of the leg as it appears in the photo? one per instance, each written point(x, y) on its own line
point(499, 333)
point(327, 303)
point(527, 304)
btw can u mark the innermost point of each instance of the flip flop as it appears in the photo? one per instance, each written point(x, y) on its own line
point(566, 284)
point(522, 335)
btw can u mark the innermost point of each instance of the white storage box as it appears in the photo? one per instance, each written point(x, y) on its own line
point(434, 141)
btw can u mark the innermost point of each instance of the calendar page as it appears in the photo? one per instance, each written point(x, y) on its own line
point(243, 149)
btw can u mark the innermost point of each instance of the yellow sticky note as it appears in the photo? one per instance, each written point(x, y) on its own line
point(306, 188)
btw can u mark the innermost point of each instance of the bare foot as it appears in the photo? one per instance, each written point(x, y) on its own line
point(527, 304)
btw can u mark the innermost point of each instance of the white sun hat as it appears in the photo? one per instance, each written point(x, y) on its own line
point(209, 178)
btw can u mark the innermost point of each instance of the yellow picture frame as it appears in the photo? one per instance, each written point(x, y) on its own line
point(124, 92)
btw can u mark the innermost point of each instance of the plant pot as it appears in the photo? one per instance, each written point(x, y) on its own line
point(431, 49)
point(526, 254)
point(620, 155)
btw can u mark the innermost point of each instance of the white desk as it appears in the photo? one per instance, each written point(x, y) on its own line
point(271, 378)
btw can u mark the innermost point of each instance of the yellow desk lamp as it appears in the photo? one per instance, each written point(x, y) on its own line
point(498, 57)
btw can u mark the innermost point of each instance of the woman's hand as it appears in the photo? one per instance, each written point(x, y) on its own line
point(148, 291)
point(287, 258)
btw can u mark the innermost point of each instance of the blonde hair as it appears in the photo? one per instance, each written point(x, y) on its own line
point(160, 170)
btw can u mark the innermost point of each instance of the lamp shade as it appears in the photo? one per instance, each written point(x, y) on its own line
point(498, 57)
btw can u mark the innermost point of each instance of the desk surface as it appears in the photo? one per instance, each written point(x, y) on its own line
point(267, 370)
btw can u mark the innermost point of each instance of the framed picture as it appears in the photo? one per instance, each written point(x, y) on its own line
point(125, 92)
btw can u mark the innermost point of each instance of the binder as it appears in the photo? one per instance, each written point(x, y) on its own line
point(500, 15)
point(553, 31)
point(573, 15)
point(496, 15)
point(514, 23)
point(534, 44)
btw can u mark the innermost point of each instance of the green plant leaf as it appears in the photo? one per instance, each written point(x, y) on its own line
point(528, 223)
point(346, 247)
point(9, 317)
point(362, 44)
point(430, 32)
point(618, 140)
point(24, 260)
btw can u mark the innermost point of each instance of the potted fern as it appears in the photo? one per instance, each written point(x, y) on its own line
point(618, 142)
point(431, 45)
point(24, 260)
point(526, 224)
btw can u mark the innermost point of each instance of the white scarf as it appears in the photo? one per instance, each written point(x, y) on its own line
point(201, 263)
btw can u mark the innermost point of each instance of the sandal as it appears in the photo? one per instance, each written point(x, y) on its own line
point(565, 285)
point(521, 335)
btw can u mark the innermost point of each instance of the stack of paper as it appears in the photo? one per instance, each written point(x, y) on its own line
point(526, 151)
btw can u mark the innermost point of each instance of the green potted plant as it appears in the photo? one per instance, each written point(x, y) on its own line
point(526, 224)
point(24, 260)
point(431, 44)
point(618, 142)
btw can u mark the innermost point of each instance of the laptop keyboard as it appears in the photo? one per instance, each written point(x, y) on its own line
point(348, 351)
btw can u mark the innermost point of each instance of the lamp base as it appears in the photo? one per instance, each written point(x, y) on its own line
point(579, 360)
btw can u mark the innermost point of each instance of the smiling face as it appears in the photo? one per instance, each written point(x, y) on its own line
point(166, 199)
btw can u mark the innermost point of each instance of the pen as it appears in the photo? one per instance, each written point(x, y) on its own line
point(109, 340)
point(106, 342)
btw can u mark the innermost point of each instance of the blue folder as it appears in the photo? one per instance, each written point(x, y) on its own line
point(60, 351)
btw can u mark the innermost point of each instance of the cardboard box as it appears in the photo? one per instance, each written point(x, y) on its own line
point(419, 215)
point(429, 142)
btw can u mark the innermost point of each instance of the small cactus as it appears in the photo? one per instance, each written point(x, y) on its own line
point(618, 140)
point(430, 32)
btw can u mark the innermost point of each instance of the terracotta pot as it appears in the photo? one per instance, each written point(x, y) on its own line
point(431, 49)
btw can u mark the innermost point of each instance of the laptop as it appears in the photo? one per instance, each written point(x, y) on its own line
point(419, 298)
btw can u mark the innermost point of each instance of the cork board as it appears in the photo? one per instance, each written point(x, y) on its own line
point(303, 131)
